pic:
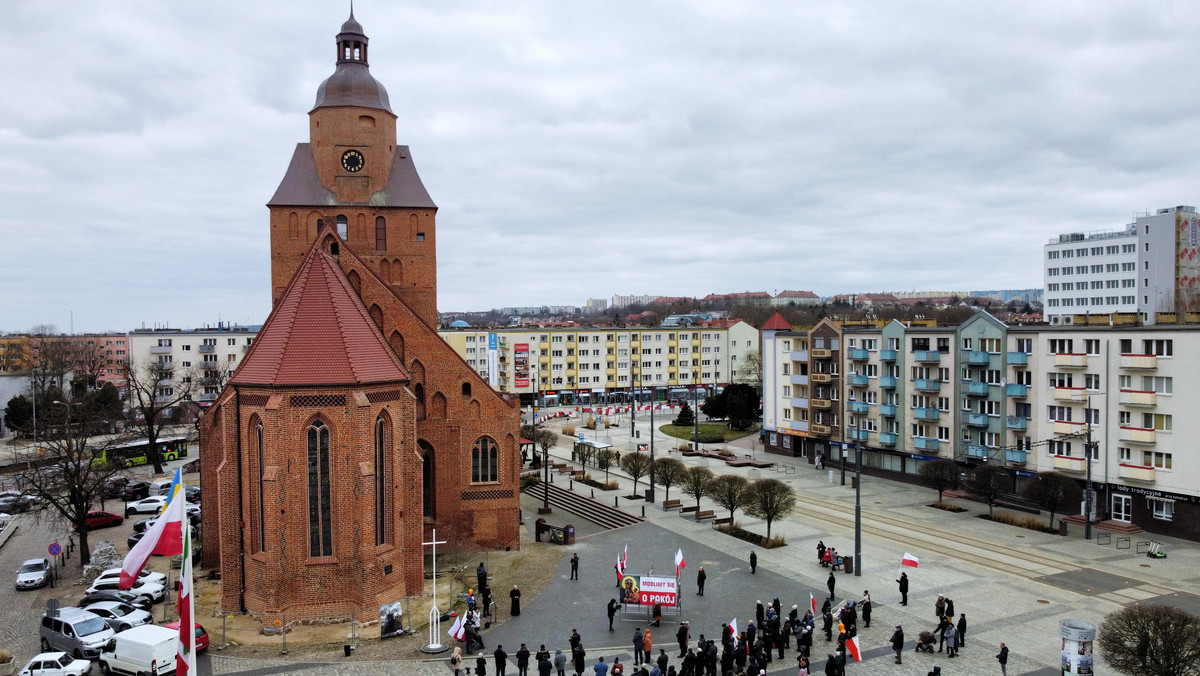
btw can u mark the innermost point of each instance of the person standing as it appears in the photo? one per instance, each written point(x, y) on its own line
point(515, 597)
point(501, 659)
point(578, 655)
point(903, 582)
point(682, 637)
point(866, 609)
point(523, 661)
point(575, 639)
point(481, 665)
point(831, 583)
point(827, 619)
point(647, 646)
point(481, 575)
point(486, 594)
point(545, 668)
point(601, 668)
point(950, 608)
point(456, 660)
point(662, 660)
point(821, 553)
point(939, 607)
point(898, 642)
point(753, 562)
point(1002, 657)
point(575, 566)
point(951, 640)
point(700, 578)
point(759, 613)
point(618, 669)
point(560, 662)
point(637, 646)
point(612, 612)
point(656, 613)
point(962, 629)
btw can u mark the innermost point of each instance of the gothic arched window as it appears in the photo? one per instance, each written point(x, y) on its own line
point(485, 461)
point(382, 468)
point(320, 508)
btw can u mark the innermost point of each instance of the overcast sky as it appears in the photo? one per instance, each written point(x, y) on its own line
point(582, 149)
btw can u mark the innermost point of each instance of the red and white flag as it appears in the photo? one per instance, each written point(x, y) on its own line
point(164, 538)
point(812, 603)
point(457, 631)
point(679, 562)
point(853, 648)
point(625, 558)
point(733, 628)
point(909, 560)
point(185, 656)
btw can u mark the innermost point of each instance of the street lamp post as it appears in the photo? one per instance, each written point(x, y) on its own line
point(1088, 448)
point(858, 498)
point(545, 508)
point(652, 398)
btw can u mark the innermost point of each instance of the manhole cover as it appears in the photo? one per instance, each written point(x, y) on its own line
point(1144, 565)
point(1043, 601)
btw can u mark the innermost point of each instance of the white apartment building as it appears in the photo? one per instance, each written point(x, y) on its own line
point(211, 354)
point(1132, 270)
point(587, 364)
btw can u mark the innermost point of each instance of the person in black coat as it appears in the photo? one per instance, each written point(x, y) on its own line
point(481, 576)
point(682, 637)
point(962, 629)
point(898, 642)
point(827, 619)
point(903, 582)
point(612, 612)
point(759, 613)
point(831, 583)
point(831, 668)
point(481, 665)
point(515, 597)
point(700, 577)
point(821, 553)
point(577, 657)
point(545, 668)
point(522, 661)
point(575, 566)
point(501, 659)
point(485, 593)
point(753, 562)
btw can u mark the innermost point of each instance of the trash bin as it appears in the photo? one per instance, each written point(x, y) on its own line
point(853, 482)
point(848, 564)
point(1062, 527)
point(347, 648)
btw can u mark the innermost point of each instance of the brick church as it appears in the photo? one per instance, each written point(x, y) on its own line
point(351, 429)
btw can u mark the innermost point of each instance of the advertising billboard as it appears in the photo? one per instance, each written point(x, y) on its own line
point(521, 364)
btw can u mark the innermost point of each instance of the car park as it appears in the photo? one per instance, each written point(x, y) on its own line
point(55, 664)
point(201, 635)
point(141, 601)
point(121, 616)
point(150, 505)
point(155, 592)
point(34, 574)
point(144, 576)
point(76, 631)
point(15, 504)
point(136, 490)
point(137, 537)
point(100, 519)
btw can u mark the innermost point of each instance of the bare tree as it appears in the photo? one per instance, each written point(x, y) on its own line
point(1151, 640)
point(605, 458)
point(636, 465)
point(940, 475)
point(66, 471)
point(729, 491)
point(156, 389)
point(50, 357)
point(751, 371)
point(696, 481)
point(1053, 491)
point(770, 499)
point(987, 481)
point(668, 472)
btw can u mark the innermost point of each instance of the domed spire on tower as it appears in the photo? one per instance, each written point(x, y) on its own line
point(351, 84)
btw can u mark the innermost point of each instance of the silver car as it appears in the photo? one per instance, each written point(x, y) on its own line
point(120, 616)
point(34, 574)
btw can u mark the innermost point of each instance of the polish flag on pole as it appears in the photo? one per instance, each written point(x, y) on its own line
point(625, 558)
point(909, 560)
point(679, 562)
point(733, 628)
point(853, 648)
point(185, 657)
point(456, 630)
point(812, 603)
point(164, 538)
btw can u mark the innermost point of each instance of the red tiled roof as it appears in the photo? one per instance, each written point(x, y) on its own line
point(796, 294)
point(319, 334)
point(777, 323)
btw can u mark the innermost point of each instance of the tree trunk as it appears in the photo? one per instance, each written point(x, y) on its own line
point(768, 529)
point(85, 551)
point(152, 453)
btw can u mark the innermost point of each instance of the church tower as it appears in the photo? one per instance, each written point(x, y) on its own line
point(351, 175)
point(351, 429)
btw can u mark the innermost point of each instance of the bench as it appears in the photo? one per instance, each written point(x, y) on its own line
point(689, 508)
point(670, 504)
point(578, 474)
point(704, 514)
point(723, 521)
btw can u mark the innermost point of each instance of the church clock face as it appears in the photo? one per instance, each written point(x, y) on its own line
point(353, 161)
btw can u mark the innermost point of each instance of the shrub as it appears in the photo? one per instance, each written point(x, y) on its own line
point(568, 430)
point(948, 506)
point(590, 423)
point(527, 481)
point(1021, 521)
point(612, 485)
point(777, 541)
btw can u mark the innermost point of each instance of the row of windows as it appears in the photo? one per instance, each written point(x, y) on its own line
point(1095, 251)
point(1093, 269)
point(1095, 300)
point(1094, 285)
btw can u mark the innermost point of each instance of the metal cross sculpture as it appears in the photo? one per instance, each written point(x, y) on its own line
point(435, 616)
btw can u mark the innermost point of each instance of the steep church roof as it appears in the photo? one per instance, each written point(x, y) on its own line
point(351, 83)
point(319, 334)
point(777, 323)
point(301, 185)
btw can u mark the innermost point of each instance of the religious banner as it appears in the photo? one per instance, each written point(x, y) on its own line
point(646, 591)
point(521, 364)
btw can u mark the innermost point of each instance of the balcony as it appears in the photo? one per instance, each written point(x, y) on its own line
point(927, 356)
point(1138, 435)
point(1018, 359)
point(820, 403)
point(976, 451)
point(973, 388)
point(977, 419)
point(887, 382)
point(822, 430)
point(858, 435)
point(798, 355)
point(820, 353)
point(976, 358)
point(1016, 422)
point(1069, 464)
point(926, 444)
point(798, 402)
point(858, 380)
point(859, 355)
point(859, 407)
point(1136, 472)
point(1066, 427)
point(1069, 393)
point(1067, 360)
point(887, 439)
point(212, 396)
point(1138, 398)
point(887, 410)
point(545, 347)
point(160, 349)
point(887, 355)
point(821, 377)
point(1139, 362)
point(206, 349)
point(927, 385)
point(1015, 457)
point(926, 413)
point(798, 379)
point(1016, 390)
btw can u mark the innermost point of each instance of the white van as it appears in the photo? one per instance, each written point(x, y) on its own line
point(147, 649)
point(75, 631)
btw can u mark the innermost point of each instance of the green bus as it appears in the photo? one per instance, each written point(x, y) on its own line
point(134, 452)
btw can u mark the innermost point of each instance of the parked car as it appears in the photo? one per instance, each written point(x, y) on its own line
point(100, 519)
point(192, 491)
point(15, 504)
point(160, 486)
point(142, 525)
point(55, 664)
point(137, 537)
point(115, 487)
point(201, 635)
point(144, 576)
point(140, 601)
point(136, 490)
point(75, 631)
point(150, 505)
point(120, 616)
point(154, 591)
point(34, 574)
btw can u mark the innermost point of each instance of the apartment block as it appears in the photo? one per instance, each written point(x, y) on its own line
point(212, 353)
